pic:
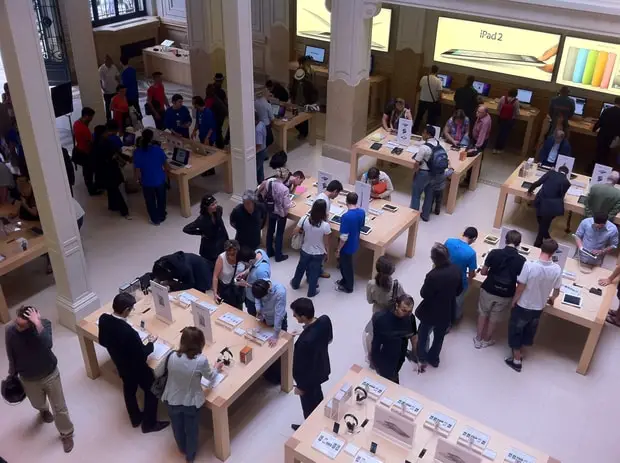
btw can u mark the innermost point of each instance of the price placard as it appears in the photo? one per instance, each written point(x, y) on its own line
point(411, 406)
point(231, 319)
point(364, 457)
point(444, 422)
point(375, 389)
point(328, 444)
point(517, 456)
point(477, 438)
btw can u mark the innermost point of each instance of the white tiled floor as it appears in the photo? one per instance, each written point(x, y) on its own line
point(548, 405)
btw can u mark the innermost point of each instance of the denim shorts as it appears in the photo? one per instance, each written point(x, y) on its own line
point(522, 327)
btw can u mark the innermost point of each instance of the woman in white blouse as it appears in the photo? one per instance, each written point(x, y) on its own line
point(183, 393)
point(227, 269)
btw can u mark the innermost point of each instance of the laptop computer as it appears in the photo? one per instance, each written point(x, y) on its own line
point(129, 139)
point(278, 111)
point(180, 157)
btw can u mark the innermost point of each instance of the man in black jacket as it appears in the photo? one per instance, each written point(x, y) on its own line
point(466, 98)
point(549, 200)
point(436, 312)
point(311, 366)
point(248, 218)
point(608, 126)
point(129, 355)
point(181, 271)
point(392, 331)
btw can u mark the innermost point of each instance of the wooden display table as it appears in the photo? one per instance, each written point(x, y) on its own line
point(512, 186)
point(198, 164)
point(174, 68)
point(594, 308)
point(583, 126)
point(526, 114)
point(283, 126)
point(298, 448)
point(385, 228)
point(239, 376)
point(15, 257)
point(362, 148)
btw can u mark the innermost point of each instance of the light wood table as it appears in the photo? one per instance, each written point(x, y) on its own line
point(512, 186)
point(12, 251)
point(174, 68)
point(527, 114)
point(298, 448)
point(362, 148)
point(594, 308)
point(385, 228)
point(239, 376)
point(199, 164)
point(583, 126)
point(283, 126)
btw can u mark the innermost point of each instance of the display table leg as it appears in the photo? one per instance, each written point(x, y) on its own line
point(452, 193)
point(501, 207)
point(221, 432)
point(588, 349)
point(283, 138)
point(228, 181)
point(525, 149)
point(475, 174)
point(412, 237)
point(312, 131)
point(375, 257)
point(186, 207)
point(353, 167)
point(286, 368)
point(289, 450)
point(91, 364)
point(5, 316)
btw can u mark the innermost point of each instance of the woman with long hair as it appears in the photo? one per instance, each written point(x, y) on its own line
point(227, 269)
point(210, 227)
point(183, 393)
point(151, 165)
point(456, 130)
point(108, 171)
point(314, 248)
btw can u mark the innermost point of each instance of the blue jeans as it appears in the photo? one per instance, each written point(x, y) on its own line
point(426, 355)
point(155, 198)
point(422, 184)
point(185, 423)
point(260, 163)
point(310, 264)
point(346, 270)
point(276, 225)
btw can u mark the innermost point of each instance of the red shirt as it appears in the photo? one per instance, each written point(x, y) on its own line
point(83, 137)
point(157, 93)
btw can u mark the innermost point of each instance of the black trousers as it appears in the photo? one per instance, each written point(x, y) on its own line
point(148, 418)
point(116, 202)
point(303, 129)
point(311, 399)
point(88, 171)
point(159, 123)
point(107, 99)
point(434, 111)
point(136, 104)
point(544, 224)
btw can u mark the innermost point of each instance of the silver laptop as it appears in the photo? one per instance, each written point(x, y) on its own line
point(180, 157)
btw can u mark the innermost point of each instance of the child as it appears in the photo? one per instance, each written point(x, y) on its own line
point(438, 188)
point(350, 228)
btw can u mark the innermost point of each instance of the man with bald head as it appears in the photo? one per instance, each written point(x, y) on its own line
point(604, 197)
point(482, 129)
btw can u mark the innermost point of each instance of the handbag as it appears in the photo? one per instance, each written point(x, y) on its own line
point(230, 292)
point(12, 390)
point(159, 384)
point(297, 240)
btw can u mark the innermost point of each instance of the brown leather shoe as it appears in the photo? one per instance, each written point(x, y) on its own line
point(67, 444)
point(325, 275)
point(47, 416)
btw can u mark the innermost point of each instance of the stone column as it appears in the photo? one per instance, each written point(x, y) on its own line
point(279, 39)
point(409, 55)
point(239, 68)
point(205, 35)
point(23, 62)
point(349, 67)
point(77, 25)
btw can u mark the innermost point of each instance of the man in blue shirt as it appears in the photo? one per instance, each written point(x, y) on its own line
point(177, 118)
point(261, 148)
point(112, 127)
point(205, 122)
point(350, 228)
point(270, 300)
point(463, 255)
point(129, 78)
point(595, 237)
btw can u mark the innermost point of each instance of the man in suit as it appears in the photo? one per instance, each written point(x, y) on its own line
point(554, 145)
point(608, 126)
point(129, 355)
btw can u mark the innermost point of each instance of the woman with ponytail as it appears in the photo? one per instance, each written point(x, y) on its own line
point(151, 165)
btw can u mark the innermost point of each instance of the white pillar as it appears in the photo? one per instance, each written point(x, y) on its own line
point(239, 73)
point(35, 118)
point(279, 40)
point(409, 54)
point(205, 37)
point(78, 25)
point(349, 67)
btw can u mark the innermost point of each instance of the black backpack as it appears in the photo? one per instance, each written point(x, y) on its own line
point(278, 160)
point(438, 162)
point(503, 281)
point(268, 198)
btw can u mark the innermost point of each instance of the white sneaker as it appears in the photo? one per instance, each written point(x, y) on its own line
point(128, 217)
point(477, 342)
point(488, 343)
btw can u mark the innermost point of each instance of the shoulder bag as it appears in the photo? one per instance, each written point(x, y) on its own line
point(428, 83)
point(230, 292)
point(297, 240)
point(159, 384)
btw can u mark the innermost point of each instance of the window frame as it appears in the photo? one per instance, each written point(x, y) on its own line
point(96, 22)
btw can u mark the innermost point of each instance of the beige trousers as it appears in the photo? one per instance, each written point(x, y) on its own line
point(50, 387)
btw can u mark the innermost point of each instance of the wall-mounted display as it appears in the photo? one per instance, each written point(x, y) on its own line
point(314, 22)
point(591, 65)
point(491, 47)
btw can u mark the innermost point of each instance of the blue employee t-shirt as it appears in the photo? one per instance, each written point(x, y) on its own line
point(463, 255)
point(205, 122)
point(151, 164)
point(175, 118)
point(129, 79)
point(116, 141)
point(352, 223)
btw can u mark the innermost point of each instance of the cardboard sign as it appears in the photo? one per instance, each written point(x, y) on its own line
point(600, 174)
point(403, 137)
point(363, 195)
point(323, 180)
point(202, 319)
point(567, 161)
point(161, 302)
